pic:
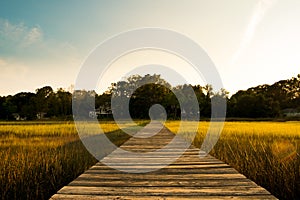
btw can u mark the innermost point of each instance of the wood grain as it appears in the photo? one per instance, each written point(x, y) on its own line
point(188, 177)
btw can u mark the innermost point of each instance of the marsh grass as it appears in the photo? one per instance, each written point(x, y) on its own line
point(37, 159)
point(265, 152)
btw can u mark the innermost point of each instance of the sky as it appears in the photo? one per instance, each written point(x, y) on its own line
point(251, 42)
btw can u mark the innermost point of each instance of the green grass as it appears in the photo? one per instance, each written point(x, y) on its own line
point(266, 152)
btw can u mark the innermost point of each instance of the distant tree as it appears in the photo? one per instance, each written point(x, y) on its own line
point(83, 102)
point(9, 108)
point(171, 105)
point(60, 103)
point(103, 100)
point(103, 103)
point(205, 104)
point(266, 100)
point(42, 100)
point(219, 103)
point(2, 108)
point(146, 96)
point(141, 92)
point(253, 105)
point(26, 107)
point(188, 100)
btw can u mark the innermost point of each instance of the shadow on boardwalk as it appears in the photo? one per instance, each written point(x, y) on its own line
point(188, 177)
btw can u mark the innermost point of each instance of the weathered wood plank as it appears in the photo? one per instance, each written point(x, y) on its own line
point(160, 183)
point(226, 170)
point(101, 167)
point(169, 177)
point(152, 197)
point(177, 163)
point(155, 191)
point(188, 177)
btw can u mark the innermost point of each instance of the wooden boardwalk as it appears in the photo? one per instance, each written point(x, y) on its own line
point(189, 177)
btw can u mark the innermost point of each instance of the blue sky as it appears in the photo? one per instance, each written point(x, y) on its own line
point(43, 43)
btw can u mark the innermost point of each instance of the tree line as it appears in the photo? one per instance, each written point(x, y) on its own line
point(44, 103)
point(141, 92)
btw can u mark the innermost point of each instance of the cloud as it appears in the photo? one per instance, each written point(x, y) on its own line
point(14, 37)
point(33, 36)
point(28, 59)
point(261, 8)
point(28, 44)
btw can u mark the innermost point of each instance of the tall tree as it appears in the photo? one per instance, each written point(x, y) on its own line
point(42, 99)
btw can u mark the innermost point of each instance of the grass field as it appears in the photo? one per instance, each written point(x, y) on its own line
point(266, 152)
point(38, 158)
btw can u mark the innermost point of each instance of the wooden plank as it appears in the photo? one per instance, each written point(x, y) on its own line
point(156, 191)
point(101, 167)
point(224, 170)
point(177, 162)
point(188, 177)
point(161, 183)
point(151, 177)
point(151, 197)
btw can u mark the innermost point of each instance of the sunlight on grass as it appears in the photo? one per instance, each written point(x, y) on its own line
point(37, 158)
point(266, 152)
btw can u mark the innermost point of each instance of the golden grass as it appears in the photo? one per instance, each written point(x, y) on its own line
point(266, 152)
point(38, 158)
